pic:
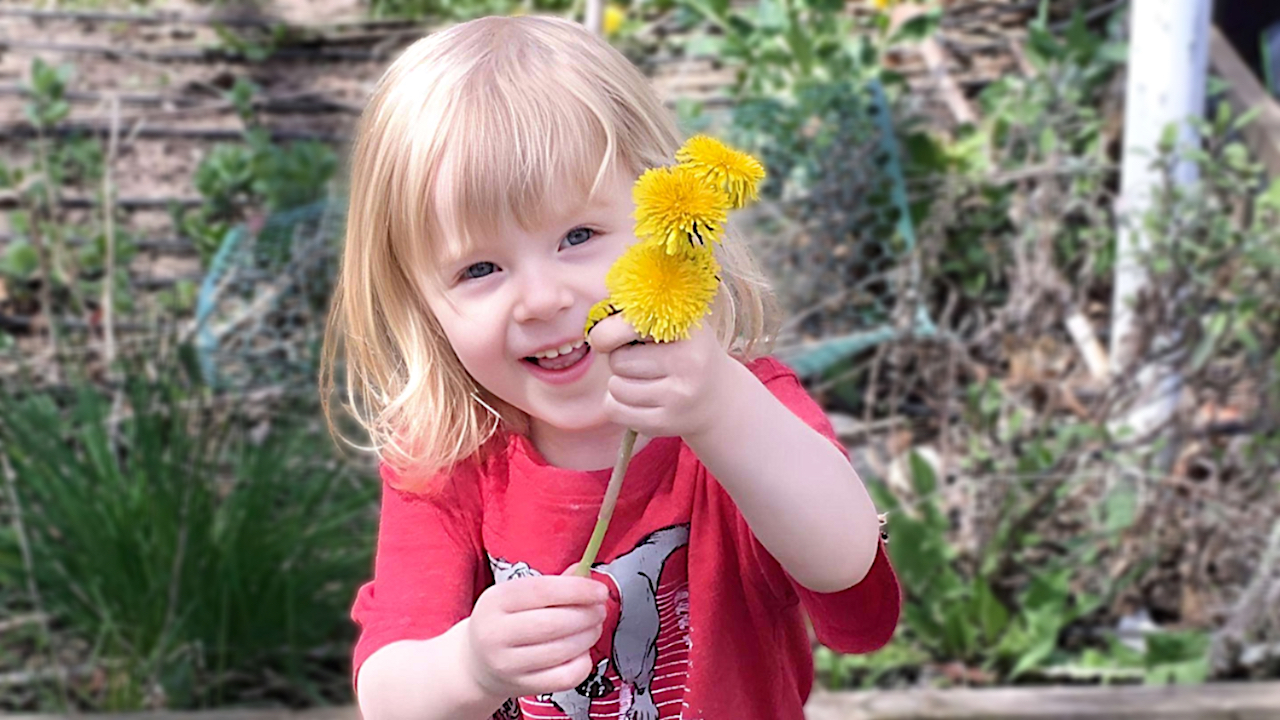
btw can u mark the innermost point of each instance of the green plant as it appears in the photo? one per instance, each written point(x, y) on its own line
point(1046, 131)
point(258, 173)
point(459, 10)
point(43, 246)
point(782, 46)
point(256, 44)
point(1166, 657)
point(198, 557)
point(954, 612)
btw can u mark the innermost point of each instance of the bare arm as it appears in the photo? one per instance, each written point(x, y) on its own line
point(796, 490)
point(528, 636)
point(423, 680)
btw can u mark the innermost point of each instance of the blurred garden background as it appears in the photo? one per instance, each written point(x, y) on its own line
point(178, 530)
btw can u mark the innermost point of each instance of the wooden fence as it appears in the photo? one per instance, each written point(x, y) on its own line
point(1212, 701)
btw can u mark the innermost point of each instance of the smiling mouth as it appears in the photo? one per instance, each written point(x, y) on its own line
point(561, 361)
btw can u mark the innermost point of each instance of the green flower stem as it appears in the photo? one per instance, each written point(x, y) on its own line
point(606, 508)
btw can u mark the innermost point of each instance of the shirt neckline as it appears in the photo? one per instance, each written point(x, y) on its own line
point(646, 470)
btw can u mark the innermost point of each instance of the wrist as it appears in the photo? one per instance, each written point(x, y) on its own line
point(730, 387)
point(480, 683)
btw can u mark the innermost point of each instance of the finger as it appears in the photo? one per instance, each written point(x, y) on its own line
point(644, 362)
point(551, 591)
point(531, 658)
point(637, 393)
point(538, 627)
point(565, 676)
point(611, 333)
point(647, 421)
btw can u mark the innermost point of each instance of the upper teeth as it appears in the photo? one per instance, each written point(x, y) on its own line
point(562, 350)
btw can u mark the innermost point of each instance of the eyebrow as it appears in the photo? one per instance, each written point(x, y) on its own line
point(456, 252)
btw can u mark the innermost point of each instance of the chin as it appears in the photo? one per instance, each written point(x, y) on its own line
point(575, 423)
point(570, 417)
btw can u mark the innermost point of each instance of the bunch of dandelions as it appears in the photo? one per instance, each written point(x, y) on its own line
point(664, 285)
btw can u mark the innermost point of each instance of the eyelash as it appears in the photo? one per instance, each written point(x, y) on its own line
point(464, 277)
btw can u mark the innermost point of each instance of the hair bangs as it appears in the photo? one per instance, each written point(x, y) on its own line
point(520, 154)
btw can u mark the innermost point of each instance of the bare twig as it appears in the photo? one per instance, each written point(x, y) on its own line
point(109, 226)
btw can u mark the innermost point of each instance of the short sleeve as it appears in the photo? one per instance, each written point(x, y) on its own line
point(858, 619)
point(427, 574)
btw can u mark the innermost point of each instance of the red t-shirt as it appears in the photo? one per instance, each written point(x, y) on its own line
point(703, 622)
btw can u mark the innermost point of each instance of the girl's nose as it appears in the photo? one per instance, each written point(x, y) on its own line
point(542, 298)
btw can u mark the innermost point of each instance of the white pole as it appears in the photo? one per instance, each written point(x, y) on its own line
point(594, 19)
point(1168, 62)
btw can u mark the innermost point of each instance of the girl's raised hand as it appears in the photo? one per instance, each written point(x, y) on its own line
point(661, 389)
point(533, 635)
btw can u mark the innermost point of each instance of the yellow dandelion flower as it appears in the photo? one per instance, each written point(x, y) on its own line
point(884, 4)
point(678, 209)
point(660, 294)
point(614, 16)
point(735, 171)
point(598, 312)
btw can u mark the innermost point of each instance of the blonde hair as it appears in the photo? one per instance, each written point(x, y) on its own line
point(471, 127)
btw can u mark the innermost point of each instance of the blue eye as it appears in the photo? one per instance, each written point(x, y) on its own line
point(478, 270)
point(577, 236)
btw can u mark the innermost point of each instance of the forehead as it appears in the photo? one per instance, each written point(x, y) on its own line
point(469, 217)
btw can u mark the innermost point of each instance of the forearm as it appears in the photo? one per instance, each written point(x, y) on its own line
point(797, 491)
point(423, 680)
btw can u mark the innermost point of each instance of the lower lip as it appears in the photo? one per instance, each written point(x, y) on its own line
point(562, 377)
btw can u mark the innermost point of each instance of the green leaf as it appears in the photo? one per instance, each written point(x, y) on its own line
point(992, 615)
point(1120, 508)
point(1048, 142)
point(1168, 138)
point(923, 479)
point(20, 260)
point(1215, 326)
point(771, 15)
point(1245, 119)
point(704, 44)
point(919, 28)
point(959, 631)
point(1177, 657)
point(1041, 639)
point(1236, 155)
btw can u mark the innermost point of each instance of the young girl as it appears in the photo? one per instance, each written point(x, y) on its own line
point(491, 188)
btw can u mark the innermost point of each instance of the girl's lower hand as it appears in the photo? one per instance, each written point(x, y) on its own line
point(661, 389)
point(533, 635)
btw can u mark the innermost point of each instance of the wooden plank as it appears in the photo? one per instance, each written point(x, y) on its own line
point(1213, 701)
point(1246, 93)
